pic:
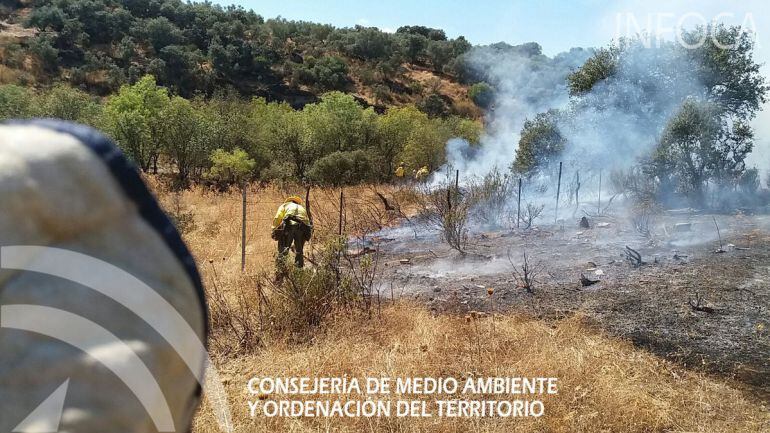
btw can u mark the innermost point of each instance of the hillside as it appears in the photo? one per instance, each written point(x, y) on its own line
point(201, 48)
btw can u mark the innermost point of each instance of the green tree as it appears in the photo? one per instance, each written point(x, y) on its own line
point(339, 123)
point(414, 46)
point(342, 168)
point(183, 137)
point(440, 53)
point(133, 119)
point(183, 69)
point(481, 94)
point(381, 94)
point(697, 147)
point(233, 123)
point(540, 142)
point(42, 47)
point(394, 129)
point(425, 146)
point(331, 73)
point(724, 63)
point(368, 43)
point(289, 142)
point(467, 129)
point(64, 102)
point(427, 32)
point(433, 105)
point(161, 32)
point(749, 181)
point(231, 167)
point(47, 17)
point(602, 65)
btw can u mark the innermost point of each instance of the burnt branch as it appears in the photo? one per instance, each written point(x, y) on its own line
point(525, 274)
point(698, 304)
point(633, 257)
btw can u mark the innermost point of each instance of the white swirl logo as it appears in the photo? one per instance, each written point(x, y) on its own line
point(100, 344)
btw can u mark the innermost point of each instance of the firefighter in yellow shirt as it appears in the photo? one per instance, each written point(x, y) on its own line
point(292, 225)
point(422, 173)
point(400, 171)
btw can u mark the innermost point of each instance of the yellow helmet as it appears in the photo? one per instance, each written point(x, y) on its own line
point(294, 198)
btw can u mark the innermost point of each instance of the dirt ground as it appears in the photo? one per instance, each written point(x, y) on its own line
point(650, 305)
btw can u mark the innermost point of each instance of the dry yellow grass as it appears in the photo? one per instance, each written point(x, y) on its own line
point(604, 384)
point(215, 229)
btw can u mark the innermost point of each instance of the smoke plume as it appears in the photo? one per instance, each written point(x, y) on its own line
point(526, 82)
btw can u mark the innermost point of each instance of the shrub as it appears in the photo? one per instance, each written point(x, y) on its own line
point(529, 213)
point(331, 73)
point(15, 102)
point(448, 209)
point(342, 168)
point(481, 94)
point(492, 197)
point(42, 47)
point(231, 167)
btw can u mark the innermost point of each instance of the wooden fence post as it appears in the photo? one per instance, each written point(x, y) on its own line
point(457, 182)
point(342, 209)
point(339, 233)
point(558, 191)
point(518, 206)
point(243, 226)
point(577, 193)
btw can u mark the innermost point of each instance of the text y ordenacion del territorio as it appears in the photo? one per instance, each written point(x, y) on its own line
point(400, 397)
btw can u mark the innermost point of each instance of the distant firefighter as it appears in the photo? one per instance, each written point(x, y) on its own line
point(400, 171)
point(292, 225)
point(422, 173)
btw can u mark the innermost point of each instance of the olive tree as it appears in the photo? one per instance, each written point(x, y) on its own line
point(133, 117)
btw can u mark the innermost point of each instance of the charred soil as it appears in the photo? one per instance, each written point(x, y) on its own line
point(699, 298)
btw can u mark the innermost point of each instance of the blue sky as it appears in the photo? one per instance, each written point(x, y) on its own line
point(556, 24)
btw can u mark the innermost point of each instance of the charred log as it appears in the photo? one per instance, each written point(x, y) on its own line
point(585, 281)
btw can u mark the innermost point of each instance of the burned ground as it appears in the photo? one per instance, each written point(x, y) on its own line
point(707, 310)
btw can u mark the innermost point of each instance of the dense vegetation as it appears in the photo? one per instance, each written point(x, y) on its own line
point(204, 92)
point(335, 141)
point(195, 86)
point(198, 48)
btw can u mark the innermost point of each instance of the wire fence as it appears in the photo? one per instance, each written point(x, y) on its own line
point(363, 212)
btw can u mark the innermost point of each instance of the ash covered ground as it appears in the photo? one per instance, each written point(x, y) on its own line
point(693, 301)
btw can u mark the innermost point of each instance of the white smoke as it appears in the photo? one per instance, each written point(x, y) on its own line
point(526, 82)
point(619, 121)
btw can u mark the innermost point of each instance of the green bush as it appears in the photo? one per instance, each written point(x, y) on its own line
point(42, 47)
point(15, 102)
point(481, 94)
point(231, 167)
point(540, 143)
point(342, 168)
point(331, 73)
